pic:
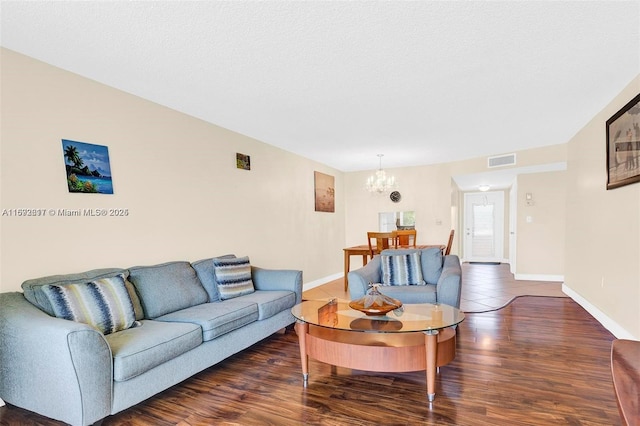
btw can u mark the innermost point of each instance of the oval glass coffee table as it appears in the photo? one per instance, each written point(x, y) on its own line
point(413, 338)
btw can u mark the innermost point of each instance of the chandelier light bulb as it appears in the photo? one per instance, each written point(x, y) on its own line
point(380, 182)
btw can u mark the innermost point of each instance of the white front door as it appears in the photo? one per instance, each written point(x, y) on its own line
point(513, 210)
point(484, 226)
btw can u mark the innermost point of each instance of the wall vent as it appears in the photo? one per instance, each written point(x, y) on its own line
point(501, 160)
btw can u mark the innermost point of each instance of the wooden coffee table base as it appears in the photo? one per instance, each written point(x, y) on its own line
point(381, 352)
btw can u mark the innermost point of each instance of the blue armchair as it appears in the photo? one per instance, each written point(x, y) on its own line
point(439, 277)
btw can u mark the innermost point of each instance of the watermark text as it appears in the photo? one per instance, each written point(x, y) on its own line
point(60, 212)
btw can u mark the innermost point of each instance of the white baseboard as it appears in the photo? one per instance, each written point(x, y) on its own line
point(539, 277)
point(600, 316)
point(1, 403)
point(496, 260)
point(321, 281)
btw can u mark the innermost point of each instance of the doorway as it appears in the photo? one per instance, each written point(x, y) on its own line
point(484, 226)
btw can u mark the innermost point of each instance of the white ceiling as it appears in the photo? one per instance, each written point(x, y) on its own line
point(339, 82)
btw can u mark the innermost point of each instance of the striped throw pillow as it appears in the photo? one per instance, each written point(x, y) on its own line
point(233, 277)
point(104, 303)
point(402, 269)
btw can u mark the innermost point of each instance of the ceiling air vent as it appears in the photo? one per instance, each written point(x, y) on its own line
point(501, 160)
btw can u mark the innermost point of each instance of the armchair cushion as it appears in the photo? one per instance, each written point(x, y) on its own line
point(432, 262)
point(411, 293)
point(402, 269)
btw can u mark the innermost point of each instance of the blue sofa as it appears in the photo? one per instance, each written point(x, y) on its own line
point(70, 371)
point(442, 276)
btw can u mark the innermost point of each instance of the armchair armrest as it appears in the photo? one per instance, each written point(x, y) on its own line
point(277, 279)
point(449, 284)
point(55, 367)
point(360, 278)
point(625, 371)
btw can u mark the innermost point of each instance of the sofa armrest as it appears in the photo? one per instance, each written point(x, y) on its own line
point(58, 368)
point(360, 278)
point(449, 284)
point(277, 279)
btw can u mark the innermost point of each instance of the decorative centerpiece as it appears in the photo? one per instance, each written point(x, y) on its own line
point(375, 303)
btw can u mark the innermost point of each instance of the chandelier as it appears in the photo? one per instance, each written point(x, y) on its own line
point(380, 182)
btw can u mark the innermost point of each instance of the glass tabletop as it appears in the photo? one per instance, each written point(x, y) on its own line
point(408, 318)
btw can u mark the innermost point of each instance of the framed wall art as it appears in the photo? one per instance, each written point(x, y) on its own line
point(243, 161)
point(325, 193)
point(623, 145)
point(87, 167)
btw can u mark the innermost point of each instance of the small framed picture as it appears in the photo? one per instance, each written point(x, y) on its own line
point(243, 161)
point(88, 168)
point(325, 193)
point(623, 145)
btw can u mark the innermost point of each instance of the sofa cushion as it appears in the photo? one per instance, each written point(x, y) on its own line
point(103, 304)
point(206, 273)
point(167, 287)
point(401, 269)
point(142, 348)
point(34, 294)
point(233, 277)
point(216, 318)
point(271, 302)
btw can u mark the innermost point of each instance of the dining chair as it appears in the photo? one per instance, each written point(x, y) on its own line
point(449, 244)
point(405, 238)
point(384, 240)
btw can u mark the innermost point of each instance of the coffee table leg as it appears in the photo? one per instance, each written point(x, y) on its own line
point(431, 349)
point(302, 329)
point(347, 265)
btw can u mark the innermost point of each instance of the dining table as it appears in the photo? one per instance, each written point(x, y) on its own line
point(364, 251)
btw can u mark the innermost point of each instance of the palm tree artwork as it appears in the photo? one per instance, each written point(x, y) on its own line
point(87, 167)
point(72, 156)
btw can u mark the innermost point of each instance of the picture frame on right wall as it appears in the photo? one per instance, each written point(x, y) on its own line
point(623, 145)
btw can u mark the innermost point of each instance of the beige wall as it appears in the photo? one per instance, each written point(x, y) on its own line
point(602, 244)
point(553, 153)
point(534, 157)
point(425, 190)
point(541, 241)
point(436, 199)
point(175, 174)
point(456, 217)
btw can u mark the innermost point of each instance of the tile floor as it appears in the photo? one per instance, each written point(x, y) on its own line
point(485, 287)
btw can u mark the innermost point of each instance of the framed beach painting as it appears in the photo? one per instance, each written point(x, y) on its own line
point(325, 193)
point(623, 145)
point(87, 167)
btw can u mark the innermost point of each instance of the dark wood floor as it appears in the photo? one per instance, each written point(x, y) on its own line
point(484, 287)
point(537, 361)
